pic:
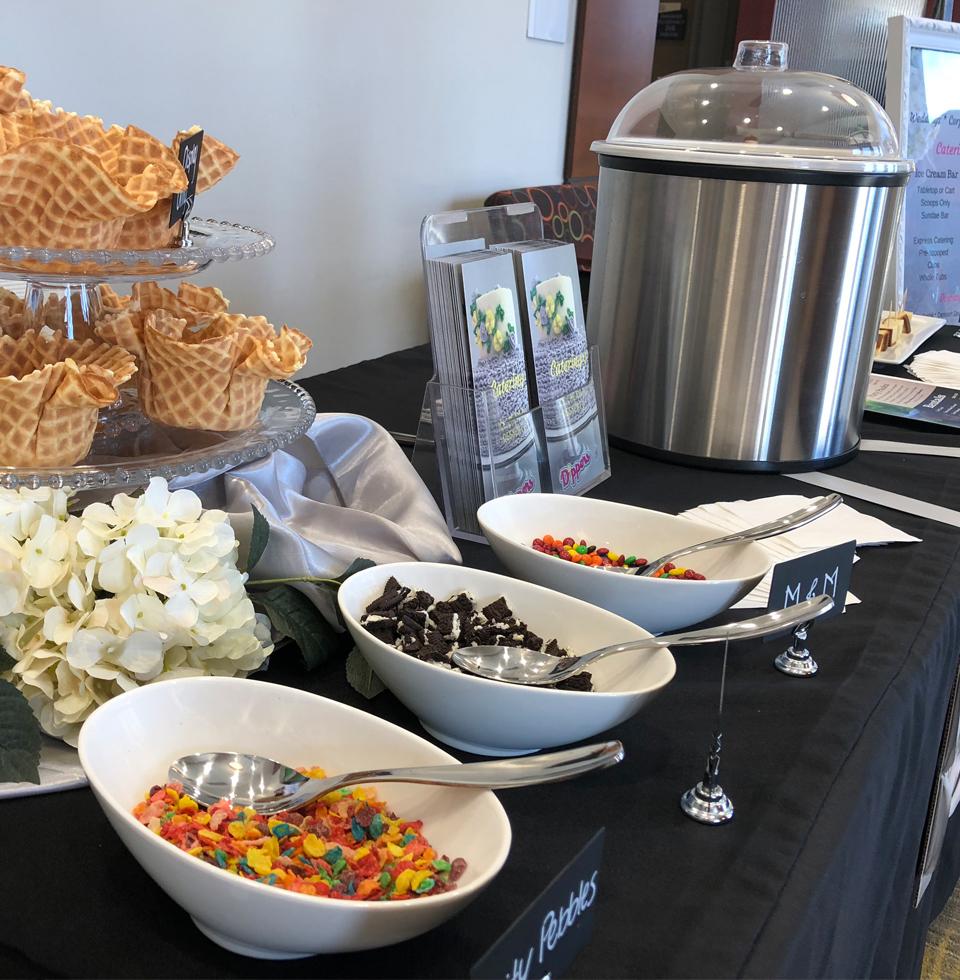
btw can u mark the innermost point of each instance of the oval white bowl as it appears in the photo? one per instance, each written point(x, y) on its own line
point(127, 744)
point(659, 605)
point(489, 717)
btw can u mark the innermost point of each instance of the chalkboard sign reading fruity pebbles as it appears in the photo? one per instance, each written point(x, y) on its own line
point(554, 927)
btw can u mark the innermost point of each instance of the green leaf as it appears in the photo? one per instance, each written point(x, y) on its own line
point(6, 661)
point(499, 314)
point(361, 677)
point(357, 565)
point(533, 292)
point(259, 537)
point(294, 615)
point(19, 738)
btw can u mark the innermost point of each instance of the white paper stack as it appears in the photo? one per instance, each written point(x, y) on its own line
point(840, 525)
point(937, 367)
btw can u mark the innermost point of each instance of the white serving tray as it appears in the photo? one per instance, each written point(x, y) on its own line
point(922, 329)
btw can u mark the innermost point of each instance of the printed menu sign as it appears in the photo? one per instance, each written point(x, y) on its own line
point(931, 270)
point(913, 400)
point(555, 926)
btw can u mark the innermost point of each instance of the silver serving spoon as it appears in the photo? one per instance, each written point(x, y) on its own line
point(520, 665)
point(789, 522)
point(270, 787)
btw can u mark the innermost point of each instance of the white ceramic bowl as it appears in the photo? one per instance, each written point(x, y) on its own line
point(489, 717)
point(128, 743)
point(511, 523)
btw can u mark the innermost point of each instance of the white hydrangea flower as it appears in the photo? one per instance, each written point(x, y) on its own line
point(13, 585)
point(141, 589)
point(44, 553)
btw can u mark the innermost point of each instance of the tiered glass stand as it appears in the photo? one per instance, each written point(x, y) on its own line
point(128, 448)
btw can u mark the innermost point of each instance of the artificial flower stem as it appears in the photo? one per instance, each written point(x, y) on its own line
point(309, 579)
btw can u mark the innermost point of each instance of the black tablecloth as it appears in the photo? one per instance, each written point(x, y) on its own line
point(831, 778)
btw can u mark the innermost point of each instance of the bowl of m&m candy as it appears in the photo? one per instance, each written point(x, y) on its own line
point(606, 559)
point(593, 549)
point(362, 867)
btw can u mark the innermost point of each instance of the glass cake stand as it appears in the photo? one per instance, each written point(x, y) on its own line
point(69, 276)
point(128, 448)
point(209, 240)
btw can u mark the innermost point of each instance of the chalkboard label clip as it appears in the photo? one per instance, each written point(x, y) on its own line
point(182, 203)
point(824, 572)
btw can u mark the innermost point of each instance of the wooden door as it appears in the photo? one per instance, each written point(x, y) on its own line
point(612, 61)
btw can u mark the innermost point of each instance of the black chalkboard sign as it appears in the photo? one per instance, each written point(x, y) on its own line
point(189, 154)
point(554, 927)
point(824, 572)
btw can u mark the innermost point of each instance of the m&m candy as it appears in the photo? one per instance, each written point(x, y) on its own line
point(593, 556)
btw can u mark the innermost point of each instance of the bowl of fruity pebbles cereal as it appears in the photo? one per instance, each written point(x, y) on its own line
point(363, 867)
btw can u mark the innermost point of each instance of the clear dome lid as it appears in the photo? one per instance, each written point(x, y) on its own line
point(758, 114)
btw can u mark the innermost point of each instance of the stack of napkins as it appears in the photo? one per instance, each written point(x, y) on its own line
point(840, 525)
point(937, 367)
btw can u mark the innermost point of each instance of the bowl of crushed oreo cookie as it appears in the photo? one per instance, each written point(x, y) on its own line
point(407, 618)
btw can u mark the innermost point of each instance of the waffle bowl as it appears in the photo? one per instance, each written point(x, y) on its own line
point(51, 390)
point(128, 449)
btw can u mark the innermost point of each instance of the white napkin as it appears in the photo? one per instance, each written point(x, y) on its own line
point(937, 367)
point(840, 525)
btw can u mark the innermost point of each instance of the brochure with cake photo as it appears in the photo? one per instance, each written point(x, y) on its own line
point(498, 374)
point(558, 360)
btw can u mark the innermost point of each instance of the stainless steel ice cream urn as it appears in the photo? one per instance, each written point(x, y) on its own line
point(744, 223)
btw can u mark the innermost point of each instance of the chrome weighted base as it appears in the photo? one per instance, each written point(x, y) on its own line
point(707, 804)
point(796, 660)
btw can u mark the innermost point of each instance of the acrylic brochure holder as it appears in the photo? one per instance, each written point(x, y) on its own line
point(558, 446)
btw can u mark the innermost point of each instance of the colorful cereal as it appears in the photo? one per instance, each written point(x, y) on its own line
point(347, 845)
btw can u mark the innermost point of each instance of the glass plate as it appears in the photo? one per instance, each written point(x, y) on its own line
point(128, 449)
point(210, 241)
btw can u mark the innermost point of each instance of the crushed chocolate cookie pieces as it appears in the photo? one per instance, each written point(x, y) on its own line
point(498, 611)
point(578, 682)
point(382, 627)
point(415, 623)
point(553, 649)
point(393, 594)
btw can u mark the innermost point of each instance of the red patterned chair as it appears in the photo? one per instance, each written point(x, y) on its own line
point(569, 215)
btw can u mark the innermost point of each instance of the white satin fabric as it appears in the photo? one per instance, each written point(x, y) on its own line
point(342, 491)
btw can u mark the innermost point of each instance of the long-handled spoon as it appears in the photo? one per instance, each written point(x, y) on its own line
point(270, 787)
point(520, 665)
point(789, 522)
